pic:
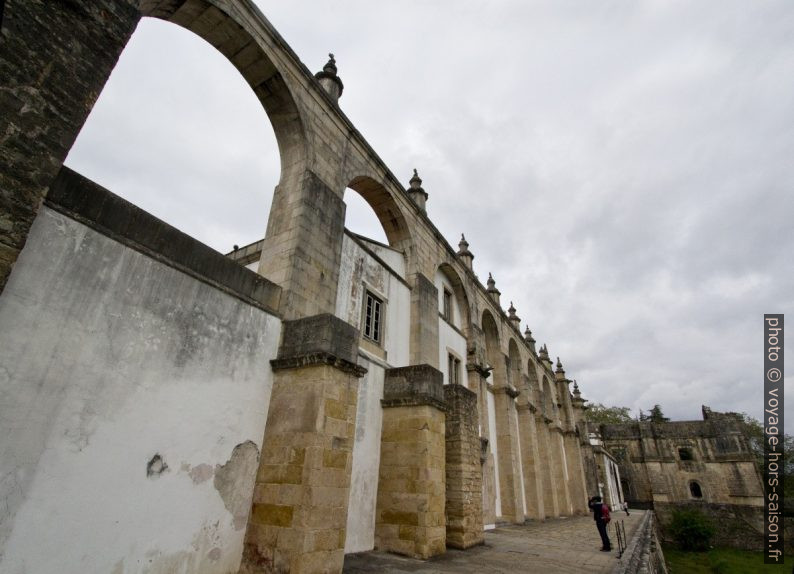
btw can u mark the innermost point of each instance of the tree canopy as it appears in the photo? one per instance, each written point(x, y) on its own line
point(602, 415)
point(655, 415)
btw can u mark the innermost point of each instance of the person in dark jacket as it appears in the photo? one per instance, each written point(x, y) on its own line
point(596, 506)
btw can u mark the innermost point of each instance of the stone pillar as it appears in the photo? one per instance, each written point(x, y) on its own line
point(409, 515)
point(299, 512)
point(576, 479)
point(477, 379)
point(530, 458)
point(424, 322)
point(508, 453)
point(550, 503)
point(463, 469)
point(303, 243)
point(560, 470)
point(55, 58)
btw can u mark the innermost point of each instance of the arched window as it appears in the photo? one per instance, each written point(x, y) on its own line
point(695, 490)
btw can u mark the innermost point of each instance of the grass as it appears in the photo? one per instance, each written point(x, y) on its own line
point(722, 561)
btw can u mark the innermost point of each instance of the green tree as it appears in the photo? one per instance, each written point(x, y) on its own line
point(756, 439)
point(655, 415)
point(691, 530)
point(602, 415)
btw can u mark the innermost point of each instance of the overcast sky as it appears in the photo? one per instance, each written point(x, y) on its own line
point(624, 169)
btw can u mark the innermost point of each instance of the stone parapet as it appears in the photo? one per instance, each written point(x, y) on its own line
point(463, 469)
point(81, 199)
point(643, 552)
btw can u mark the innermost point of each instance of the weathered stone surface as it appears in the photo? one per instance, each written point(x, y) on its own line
point(324, 333)
point(89, 203)
point(424, 321)
point(300, 502)
point(54, 61)
point(463, 469)
point(411, 491)
point(413, 385)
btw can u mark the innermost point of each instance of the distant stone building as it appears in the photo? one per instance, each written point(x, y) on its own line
point(705, 464)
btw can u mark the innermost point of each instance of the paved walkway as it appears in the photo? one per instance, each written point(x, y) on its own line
point(556, 546)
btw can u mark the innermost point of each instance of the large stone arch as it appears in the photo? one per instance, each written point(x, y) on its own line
point(493, 352)
point(225, 27)
point(386, 209)
point(462, 296)
point(55, 87)
point(532, 389)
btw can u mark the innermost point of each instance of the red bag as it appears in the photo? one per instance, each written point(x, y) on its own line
point(605, 514)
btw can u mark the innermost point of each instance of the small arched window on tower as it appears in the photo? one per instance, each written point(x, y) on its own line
point(685, 454)
point(695, 490)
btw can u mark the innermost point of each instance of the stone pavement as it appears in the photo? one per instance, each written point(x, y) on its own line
point(556, 546)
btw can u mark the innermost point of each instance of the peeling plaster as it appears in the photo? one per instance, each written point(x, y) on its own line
point(234, 481)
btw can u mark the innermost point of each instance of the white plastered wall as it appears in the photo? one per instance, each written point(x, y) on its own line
point(450, 337)
point(108, 360)
point(359, 271)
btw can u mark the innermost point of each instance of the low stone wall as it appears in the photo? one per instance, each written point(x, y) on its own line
point(736, 526)
point(643, 554)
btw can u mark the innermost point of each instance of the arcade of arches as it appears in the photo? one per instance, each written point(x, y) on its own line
point(309, 395)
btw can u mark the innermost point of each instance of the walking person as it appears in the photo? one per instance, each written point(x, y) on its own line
point(601, 517)
point(626, 508)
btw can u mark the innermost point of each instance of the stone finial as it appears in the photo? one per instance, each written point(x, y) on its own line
point(560, 370)
point(330, 65)
point(415, 181)
point(493, 292)
point(577, 401)
point(416, 192)
point(544, 353)
point(463, 252)
point(328, 79)
point(529, 339)
point(512, 317)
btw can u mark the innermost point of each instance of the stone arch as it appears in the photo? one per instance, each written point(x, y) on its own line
point(514, 372)
point(459, 290)
point(59, 84)
point(493, 353)
point(532, 378)
point(227, 31)
point(386, 209)
point(549, 401)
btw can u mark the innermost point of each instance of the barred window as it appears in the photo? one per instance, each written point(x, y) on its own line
point(373, 321)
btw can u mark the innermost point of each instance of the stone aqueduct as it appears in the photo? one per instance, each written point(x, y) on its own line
point(55, 58)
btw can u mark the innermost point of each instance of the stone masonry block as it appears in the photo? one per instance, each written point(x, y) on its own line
point(413, 385)
point(324, 333)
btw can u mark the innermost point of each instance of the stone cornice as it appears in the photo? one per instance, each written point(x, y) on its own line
point(317, 359)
